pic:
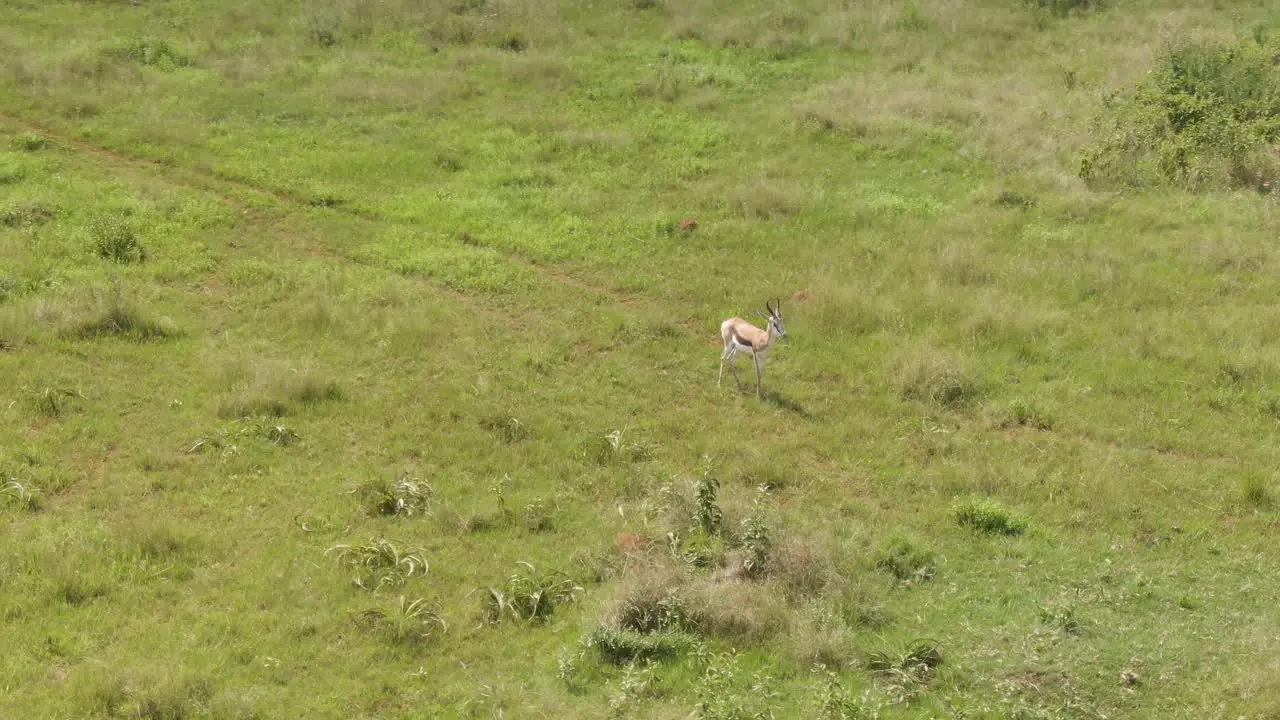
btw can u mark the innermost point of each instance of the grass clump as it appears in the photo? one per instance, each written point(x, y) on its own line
point(907, 670)
point(273, 396)
point(116, 240)
point(989, 517)
point(379, 563)
point(408, 622)
point(937, 379)
point(528, 596)
point(1207, 116)
point(28, 497)
point(52, 402)
point(623, 647)
point(1255, 491)
point(153, 52)
point(906, 559)
point(403, 496)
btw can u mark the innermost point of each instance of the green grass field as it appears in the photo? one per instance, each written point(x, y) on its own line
point(354, 363)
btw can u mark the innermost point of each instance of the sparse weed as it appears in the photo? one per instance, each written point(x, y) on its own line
point(906, 559)
point(989, 516)
point(1062, 617)
point(528, 596)
point(410, 622)
point(380, 563)
point(403, 496)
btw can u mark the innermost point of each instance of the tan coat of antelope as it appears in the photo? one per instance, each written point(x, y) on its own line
point(741, 336)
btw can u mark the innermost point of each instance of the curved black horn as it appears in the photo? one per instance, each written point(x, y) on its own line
point(766, 307)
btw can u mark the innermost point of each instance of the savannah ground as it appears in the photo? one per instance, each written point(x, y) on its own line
point(295, 296)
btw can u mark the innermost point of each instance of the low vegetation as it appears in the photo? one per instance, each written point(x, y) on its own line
point(297, 298)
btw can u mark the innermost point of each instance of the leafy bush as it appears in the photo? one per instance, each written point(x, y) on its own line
point(115, 240)
point(1208, 115)
point(989, 516)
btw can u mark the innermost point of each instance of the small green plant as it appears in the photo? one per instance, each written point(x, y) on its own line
point(528, 596)
point(27, 497)
point(537, 517)
point(403, 496)
point(906, 559)
point(407, 622)
point(247, 428)
point(115, 239)
point(1023, 413)
point(153, 52)
point(1062, 617)
point(834, 700)
point(614, 448)
point(707, 514)
point(379, 563)
point(989, 516)
point(725, 693)
point(30, 142)
point(757, 541)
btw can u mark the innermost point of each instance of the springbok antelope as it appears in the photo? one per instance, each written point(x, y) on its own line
point(741, 336)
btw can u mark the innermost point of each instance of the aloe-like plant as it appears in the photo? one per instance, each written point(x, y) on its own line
point(408, 621)
point(401, 497)
point(28, 498)
point(380, 563)
point(528, 596)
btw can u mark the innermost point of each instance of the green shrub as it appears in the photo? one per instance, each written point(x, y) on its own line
point(1208, 115)
point(989, 516)
point(905, 559)
point(115, 240)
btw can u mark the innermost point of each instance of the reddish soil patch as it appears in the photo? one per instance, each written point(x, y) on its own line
point(630, 542)
point(688, 225)
point(802, 296)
